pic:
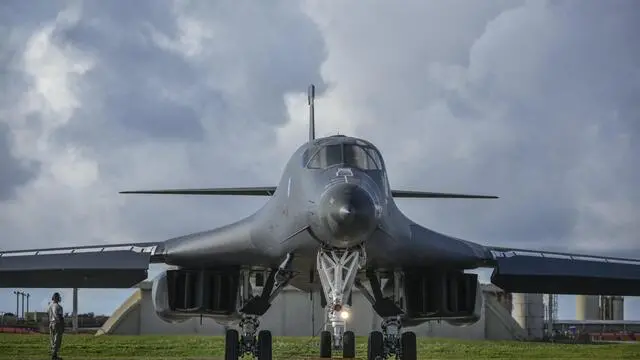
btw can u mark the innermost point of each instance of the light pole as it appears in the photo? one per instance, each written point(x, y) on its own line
point(17, 294)
point(28, 296)
point(22, 294)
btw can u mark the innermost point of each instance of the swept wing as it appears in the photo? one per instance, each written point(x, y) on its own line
point(270, 190)
point(246, 191)
point(533, 271)
point(527, 271)
point(96, 266)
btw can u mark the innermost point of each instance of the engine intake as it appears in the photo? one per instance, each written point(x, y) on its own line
point(452, 296)
point(183, 293)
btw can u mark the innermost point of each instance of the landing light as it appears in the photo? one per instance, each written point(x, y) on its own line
point(344, 315)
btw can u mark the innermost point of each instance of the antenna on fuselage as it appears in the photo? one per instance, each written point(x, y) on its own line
point(311, 94)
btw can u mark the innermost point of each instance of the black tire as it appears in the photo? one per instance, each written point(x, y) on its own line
point(408, 346)
point(231, 345)
point(326, 340)
point(349, 345)
point(375, 347)
point(265, 345)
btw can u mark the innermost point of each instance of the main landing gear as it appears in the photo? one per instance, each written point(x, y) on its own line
point(391, 340)
point(237, 345)
point(338, 271)
point(246, 341)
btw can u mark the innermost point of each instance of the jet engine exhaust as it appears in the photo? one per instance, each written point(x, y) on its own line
point(347, 214)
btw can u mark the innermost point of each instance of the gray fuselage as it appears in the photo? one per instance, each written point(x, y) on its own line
point(334, 193)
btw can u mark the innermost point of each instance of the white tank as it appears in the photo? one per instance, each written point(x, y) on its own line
point(587, 307)
point(618, 308)
point(528, 311)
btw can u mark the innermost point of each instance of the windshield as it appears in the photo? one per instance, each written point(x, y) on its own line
point(362, 157)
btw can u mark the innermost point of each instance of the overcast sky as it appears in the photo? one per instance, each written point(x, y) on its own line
point(535, 101)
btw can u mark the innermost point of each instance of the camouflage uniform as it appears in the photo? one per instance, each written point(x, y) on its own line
point(56, 326)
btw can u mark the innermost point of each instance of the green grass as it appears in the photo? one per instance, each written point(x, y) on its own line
point(76, 347)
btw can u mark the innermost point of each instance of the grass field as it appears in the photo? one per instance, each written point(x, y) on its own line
point(76, 347)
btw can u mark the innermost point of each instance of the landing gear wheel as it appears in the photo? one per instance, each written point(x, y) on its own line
point(325, 344)
point(231, 345)
point(408, 346)
point(265, 345)
point(349, 345)
point(375, 347)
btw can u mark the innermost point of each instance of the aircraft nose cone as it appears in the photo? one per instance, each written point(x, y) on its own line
point(350, 213)
point(345, 213)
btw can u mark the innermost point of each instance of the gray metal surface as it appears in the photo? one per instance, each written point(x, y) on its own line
point(528, 271)
point(117, 266)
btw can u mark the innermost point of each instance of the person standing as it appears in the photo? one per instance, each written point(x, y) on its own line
point(56, 325)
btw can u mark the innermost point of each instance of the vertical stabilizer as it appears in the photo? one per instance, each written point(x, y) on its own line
point(312, 125)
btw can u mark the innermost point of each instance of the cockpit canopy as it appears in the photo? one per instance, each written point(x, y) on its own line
point(360, 156)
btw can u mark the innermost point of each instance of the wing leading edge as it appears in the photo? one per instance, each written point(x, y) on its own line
point(531, 271)
point(246, 191)
point(98, 266)
point(525, 271)
point(270, 190)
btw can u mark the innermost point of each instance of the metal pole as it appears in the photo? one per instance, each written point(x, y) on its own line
point(311, 94)
point(75, 310)
point(17, 293)
point(550, 306)
point(28, 296)
point(22, 314)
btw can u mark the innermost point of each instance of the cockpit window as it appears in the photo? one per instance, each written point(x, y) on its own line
point(362, 157)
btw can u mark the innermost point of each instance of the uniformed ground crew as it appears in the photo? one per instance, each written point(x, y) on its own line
point(56, 325)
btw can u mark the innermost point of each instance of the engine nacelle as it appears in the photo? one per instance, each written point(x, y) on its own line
point(181, 294)
point(160, 297)
point(452, 296)
point(477, 311)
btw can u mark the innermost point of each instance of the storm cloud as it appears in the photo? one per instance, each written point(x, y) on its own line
point(534, 101)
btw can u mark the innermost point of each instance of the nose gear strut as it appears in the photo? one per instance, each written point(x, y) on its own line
point(338, 270)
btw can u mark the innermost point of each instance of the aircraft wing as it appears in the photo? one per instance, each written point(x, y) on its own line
point(533, 271)
point(436, 195)
point(246, 191)
point(270, 190)
point(97, 266)
point(523, 271)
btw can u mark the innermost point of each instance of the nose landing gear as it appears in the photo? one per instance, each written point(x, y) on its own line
point(338, 270)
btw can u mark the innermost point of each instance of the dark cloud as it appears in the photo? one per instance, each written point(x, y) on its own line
point(133, 79)
point(14, 172)
point(16, 14)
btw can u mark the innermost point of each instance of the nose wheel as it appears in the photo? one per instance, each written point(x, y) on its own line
point(348, 345)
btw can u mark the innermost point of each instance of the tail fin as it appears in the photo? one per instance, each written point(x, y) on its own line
point(311, 94)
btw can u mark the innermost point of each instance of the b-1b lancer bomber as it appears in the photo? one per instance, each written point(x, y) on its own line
point(331, 223)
